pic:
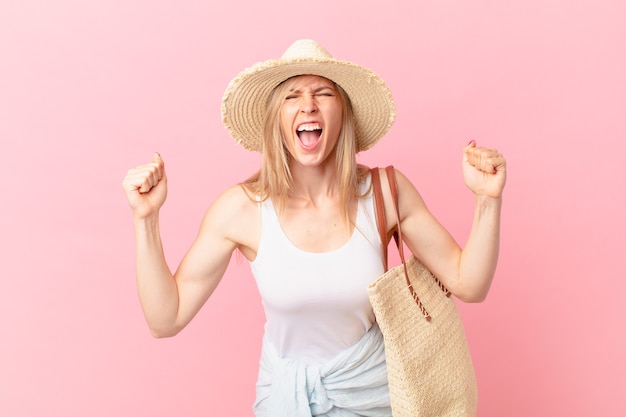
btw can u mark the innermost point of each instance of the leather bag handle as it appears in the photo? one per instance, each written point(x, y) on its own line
point(381, 222)
point(397, 231)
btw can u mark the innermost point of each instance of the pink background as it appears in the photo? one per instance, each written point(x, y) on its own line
point(89, 89)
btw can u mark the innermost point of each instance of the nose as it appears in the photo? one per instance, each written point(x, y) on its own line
point(308, 104)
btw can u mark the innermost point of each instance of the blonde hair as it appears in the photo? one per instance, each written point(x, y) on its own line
point(274, 179)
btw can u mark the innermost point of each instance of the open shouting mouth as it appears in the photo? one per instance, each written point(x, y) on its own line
point(309, 134)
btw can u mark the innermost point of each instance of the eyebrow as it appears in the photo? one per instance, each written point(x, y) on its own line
point(315, 90)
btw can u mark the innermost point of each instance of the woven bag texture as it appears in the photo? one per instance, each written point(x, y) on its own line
point(429, 364)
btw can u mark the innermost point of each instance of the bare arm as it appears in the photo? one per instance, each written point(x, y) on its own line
point(468, 271)
point(169, 301)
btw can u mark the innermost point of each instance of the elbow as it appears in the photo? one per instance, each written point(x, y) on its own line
point(157, 334)
point(472, 290)
point(473, 298)
point(473, 295)
point(162, 332)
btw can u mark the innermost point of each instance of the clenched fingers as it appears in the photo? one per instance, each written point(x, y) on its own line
point(144, 177)
point(487, 160)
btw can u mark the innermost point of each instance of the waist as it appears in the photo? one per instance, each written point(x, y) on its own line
point(288, 385)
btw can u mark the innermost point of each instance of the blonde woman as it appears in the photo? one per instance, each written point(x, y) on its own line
point(305, 221)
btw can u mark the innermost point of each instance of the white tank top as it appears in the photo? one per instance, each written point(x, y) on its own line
point(316, 304)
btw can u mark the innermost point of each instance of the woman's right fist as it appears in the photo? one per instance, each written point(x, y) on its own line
point(146, 187)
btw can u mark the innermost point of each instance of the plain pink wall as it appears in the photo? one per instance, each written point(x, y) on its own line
point(89, 89)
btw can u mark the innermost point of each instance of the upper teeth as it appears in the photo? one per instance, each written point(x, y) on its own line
point(309, 127)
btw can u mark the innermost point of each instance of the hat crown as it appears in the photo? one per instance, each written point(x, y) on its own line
point(306, 48)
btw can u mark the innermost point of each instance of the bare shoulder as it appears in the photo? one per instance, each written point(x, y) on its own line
point(235, 216)
point(235, 200)
point(403, 181)
point(409, 199)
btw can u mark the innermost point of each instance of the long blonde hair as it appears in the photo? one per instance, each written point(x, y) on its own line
point(274, 179)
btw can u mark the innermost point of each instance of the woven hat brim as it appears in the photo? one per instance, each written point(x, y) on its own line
point(245, 99)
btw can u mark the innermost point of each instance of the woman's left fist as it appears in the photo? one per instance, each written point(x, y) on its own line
point(484, 170)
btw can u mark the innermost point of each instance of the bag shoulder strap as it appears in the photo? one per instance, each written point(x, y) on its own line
point(379, 208)
point(393, 186)
point(397, 231)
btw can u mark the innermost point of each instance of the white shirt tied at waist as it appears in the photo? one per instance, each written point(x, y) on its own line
point(354, 383)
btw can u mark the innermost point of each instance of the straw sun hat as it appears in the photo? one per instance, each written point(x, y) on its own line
point(245, 99)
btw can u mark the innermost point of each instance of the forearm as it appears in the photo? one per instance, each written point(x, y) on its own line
point(479, 257)
point(158, 292)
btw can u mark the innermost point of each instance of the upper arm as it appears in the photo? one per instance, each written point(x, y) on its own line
point(427, 239)
point(204, 264)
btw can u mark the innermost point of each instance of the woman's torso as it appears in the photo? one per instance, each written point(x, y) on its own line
point(316, 303)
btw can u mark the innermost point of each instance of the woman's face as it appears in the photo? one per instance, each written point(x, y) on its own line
point(311, 119)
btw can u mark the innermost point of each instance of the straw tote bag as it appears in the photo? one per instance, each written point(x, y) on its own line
point(428, 359)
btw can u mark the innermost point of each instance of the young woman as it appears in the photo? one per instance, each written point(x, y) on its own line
point(306, 223)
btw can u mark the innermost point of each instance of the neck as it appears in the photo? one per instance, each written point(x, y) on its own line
point(314, 183)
